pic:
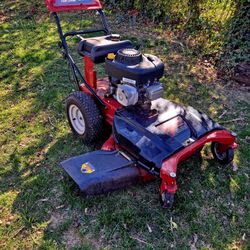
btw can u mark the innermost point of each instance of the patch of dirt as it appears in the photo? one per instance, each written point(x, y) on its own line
point(71, 238)
point(3, 17)
point(235, 92)
point(243, 95)
point(242, 73)
point(57, 218)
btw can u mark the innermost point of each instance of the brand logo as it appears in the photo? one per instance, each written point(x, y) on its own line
point(87, 168)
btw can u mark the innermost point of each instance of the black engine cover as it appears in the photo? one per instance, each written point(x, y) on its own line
point(131, 64)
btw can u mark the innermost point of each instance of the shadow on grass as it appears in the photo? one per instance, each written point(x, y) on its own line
point(47, 195)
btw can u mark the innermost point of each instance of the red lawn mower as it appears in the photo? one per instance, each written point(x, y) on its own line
point(150, 135)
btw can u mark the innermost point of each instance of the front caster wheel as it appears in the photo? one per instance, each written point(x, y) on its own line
point(222, 157)
point(84, 116)
point(167, 200)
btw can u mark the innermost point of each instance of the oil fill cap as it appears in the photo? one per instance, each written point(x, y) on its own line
point(111, 56)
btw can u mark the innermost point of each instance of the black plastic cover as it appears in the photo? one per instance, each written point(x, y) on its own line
point(148, 69)
point(98, 47)
point(101, 171)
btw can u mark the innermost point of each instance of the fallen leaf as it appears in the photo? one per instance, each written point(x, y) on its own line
point(43, 200)
point(244, 237)
point(149, 228)
point(60, 207)
point(193, 244)
point(173, 225)
point(235, 166)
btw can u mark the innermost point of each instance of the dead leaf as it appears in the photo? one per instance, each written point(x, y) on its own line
point(173, 225)
point(149, 228)
point(60, 207)
point(244, 237)
point(43, 200)
point(235, 166)
point(193, 244)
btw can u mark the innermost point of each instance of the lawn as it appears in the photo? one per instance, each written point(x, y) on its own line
point(40, 208)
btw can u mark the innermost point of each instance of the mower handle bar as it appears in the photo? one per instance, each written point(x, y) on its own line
point(75, 70)
point(81, 32)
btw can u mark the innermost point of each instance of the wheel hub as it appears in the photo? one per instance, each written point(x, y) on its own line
point(77, 120)
point(220, 155)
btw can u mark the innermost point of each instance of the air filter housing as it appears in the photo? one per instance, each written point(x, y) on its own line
point(135, 67)
point(128, 56)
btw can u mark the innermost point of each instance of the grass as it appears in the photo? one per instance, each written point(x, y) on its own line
point(41, 209)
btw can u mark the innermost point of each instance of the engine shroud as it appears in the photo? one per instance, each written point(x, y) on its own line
point(130, 64)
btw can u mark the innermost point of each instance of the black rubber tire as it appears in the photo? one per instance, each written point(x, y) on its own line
point(91, 116)
point(167, 200)
point(225, 158)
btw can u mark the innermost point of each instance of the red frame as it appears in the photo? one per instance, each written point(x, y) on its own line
point(90, 76)
point(169, 167)
point(92, 6)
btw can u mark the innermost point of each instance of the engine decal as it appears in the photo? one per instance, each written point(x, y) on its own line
point(127, 80)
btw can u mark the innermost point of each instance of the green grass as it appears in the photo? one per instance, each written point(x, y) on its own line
point(42, 209)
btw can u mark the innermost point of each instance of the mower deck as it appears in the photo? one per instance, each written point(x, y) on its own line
point(102, 171)
point(144, 140)
point(152, 137)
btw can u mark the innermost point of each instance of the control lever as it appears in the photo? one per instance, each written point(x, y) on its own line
point(80, 37)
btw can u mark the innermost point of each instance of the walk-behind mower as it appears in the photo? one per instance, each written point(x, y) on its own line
point(150, 135)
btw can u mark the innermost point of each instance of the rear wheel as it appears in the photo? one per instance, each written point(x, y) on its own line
point(167, 200)
point(222, 157)
point(84, 116)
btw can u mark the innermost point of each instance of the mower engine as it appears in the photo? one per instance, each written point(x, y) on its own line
point(134, 77)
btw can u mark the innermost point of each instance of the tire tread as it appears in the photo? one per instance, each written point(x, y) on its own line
point(92, 115)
